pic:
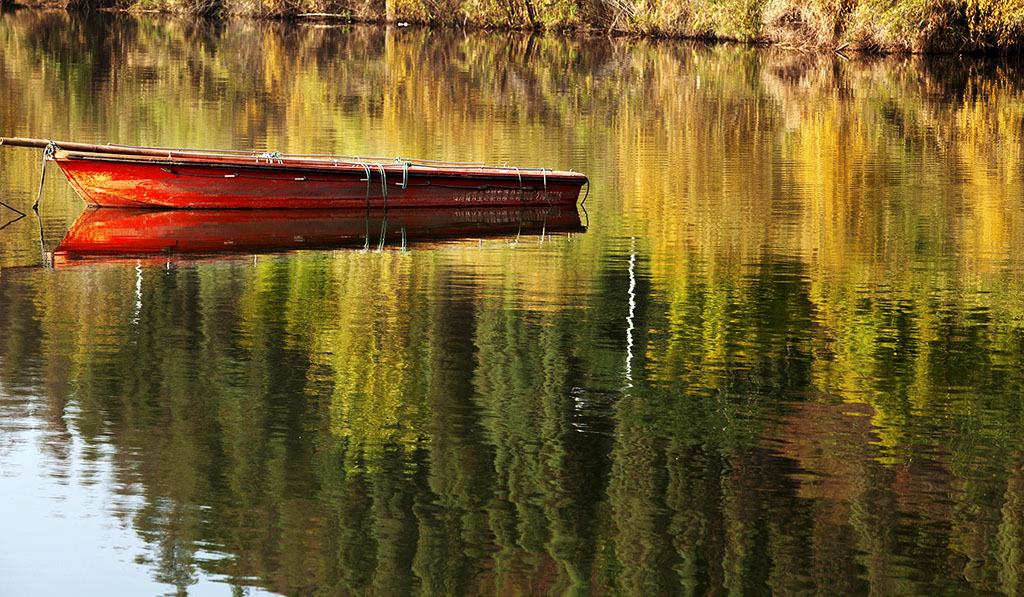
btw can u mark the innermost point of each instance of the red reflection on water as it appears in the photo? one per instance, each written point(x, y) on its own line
point(107, 234)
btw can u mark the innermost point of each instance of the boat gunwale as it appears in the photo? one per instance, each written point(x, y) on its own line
point(355, 159)
point(263, 162)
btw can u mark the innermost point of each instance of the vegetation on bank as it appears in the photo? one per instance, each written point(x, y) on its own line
point(943, 26)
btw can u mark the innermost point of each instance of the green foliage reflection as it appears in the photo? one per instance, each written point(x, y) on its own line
point(822, 388)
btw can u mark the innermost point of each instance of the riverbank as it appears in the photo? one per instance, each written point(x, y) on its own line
point(885, 26)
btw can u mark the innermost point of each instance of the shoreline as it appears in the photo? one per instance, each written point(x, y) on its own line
point(861, 26)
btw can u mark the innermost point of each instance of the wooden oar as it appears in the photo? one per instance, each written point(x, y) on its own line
point(43, 143)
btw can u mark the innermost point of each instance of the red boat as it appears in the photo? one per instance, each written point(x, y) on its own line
point(122, 176)
point(116, 234)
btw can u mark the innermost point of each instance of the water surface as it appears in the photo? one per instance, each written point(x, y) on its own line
point(786, 355)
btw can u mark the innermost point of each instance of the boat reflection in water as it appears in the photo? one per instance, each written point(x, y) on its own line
point(111, 234)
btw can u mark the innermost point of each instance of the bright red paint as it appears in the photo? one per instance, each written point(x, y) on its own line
point(220, 181)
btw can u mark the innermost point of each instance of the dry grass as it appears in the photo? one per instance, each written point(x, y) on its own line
point(806, 24)
point(870, 25)
point(938, 25)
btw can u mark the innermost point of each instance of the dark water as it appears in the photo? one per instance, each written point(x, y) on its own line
point(786, 355)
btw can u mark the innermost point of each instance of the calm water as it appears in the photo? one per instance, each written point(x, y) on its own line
point(786, 356)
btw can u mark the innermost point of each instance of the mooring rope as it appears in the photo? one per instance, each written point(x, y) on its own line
point(42, 244)
point(48, 152)
point(384, 221)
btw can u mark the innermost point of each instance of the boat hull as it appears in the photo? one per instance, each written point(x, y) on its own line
point(212, 182)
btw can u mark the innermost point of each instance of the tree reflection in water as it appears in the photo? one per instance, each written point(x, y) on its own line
point(824, 377)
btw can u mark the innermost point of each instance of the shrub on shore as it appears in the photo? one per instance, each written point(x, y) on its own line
point(939, 25)
point(873, 25)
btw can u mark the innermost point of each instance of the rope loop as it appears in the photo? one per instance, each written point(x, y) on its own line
point(546, 196)
point(384, 221)
point(383, 183)
point(522, 193)
point(405, 171)
point(366, 168)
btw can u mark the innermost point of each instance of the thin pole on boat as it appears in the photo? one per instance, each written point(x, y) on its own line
point(88, 147)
